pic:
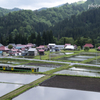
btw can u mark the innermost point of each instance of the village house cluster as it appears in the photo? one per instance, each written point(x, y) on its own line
point(31, 49)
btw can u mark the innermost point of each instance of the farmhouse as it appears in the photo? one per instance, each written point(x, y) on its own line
point(88, 45)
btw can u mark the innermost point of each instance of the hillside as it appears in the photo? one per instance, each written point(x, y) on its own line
point(37, 21)
point(6, 11)
point(67, 20)
point(86, 24)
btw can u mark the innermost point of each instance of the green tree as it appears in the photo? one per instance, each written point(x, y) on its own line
point(38, 39)
point(86, 49)
point(10, 46)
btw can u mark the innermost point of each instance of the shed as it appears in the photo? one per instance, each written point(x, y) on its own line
point(32, 52)
point(41, 52)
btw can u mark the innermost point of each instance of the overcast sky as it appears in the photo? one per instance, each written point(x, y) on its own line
point(33, 4)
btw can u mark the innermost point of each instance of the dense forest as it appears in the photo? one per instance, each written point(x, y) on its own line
point(70, 23)
point(6, 11)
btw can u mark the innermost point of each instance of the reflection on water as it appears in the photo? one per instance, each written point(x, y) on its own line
point(77, 58)
point(68, 53)
point(84, 69)
point(80, 71)
point(18, 78)
point(42, 69)
point(48, 93)
point(6, 88)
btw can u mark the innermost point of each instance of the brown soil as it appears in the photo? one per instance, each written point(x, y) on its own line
point(73, 82)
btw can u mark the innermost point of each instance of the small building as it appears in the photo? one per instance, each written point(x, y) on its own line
point(41, 52)
point(32, 52)
point(24, 52)
point(20, 46)
point(60, 47)
point(66, 44)
point(51, 45)
point(40, 48)
point(14, 52)
point(4, 49)
point(29, 45)
point(69, 47)
point(88, 45)
point(98, 48)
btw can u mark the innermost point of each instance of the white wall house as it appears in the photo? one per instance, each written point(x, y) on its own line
point(69, 47)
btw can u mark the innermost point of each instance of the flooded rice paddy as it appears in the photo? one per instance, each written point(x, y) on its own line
point(10, 81)
point(42, 69)
point(18, 78)
point(6, 88)
point(49, 93)
point(81, 71)
point(96, 61)
point(78, 58)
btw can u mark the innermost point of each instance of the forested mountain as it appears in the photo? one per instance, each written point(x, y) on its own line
point(6, 11)
point(86, 24)
point(36, 21)
point(67, 20)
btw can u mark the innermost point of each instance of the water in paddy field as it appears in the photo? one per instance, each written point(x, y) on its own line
point(80, 71)
point(49, 93)
point(11, 81)
point(19, 78)
point(77, 58)
point(96, 62)
point(42, 69)
point(6, 88)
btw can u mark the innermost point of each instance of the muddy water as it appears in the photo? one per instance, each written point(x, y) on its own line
point(48, 93)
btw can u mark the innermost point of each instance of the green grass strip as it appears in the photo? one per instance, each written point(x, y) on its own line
point(85, 66)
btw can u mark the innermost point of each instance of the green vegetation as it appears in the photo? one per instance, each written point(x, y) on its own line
point(89, 60)
point(86, 49)
point(83, 66)
point(50, 25)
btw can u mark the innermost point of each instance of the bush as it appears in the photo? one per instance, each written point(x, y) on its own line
point(86, 49)
point(78, 48)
